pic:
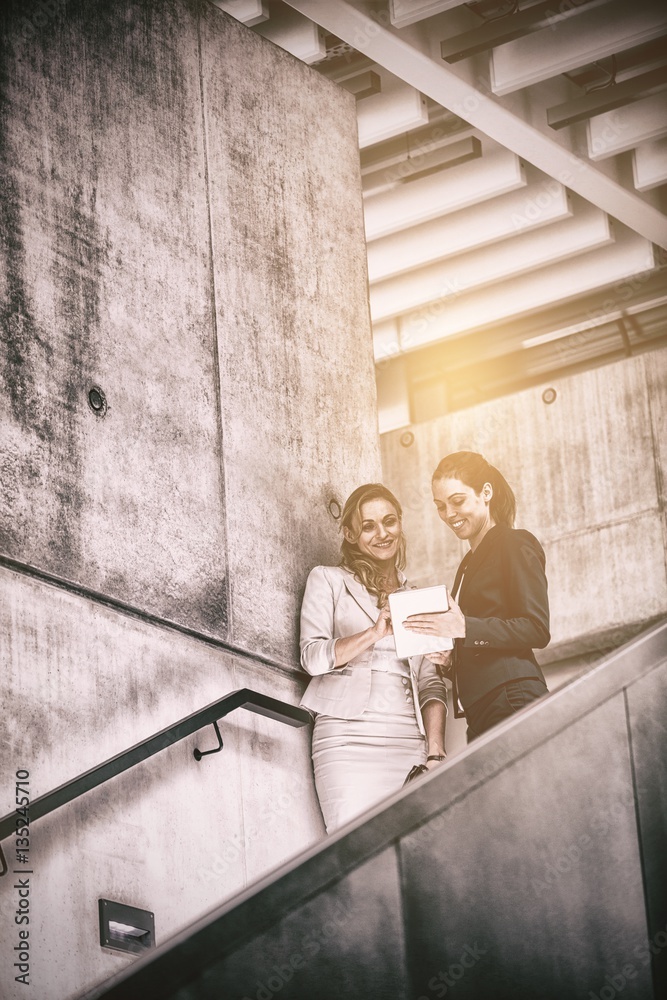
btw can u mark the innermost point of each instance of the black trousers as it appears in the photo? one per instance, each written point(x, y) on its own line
point(502, 703)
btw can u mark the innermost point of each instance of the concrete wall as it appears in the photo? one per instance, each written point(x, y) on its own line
point(182, 228)
point(531, 866)
point(589, 474)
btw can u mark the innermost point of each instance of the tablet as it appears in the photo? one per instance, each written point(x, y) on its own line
point(412, 602)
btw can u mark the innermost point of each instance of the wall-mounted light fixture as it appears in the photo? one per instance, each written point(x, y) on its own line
point(126, 928)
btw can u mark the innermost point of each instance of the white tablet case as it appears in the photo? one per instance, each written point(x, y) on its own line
point(412, 602)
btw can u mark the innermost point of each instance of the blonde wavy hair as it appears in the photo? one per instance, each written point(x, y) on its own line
point(365, 569)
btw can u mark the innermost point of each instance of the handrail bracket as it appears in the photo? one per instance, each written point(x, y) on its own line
point(198, 754)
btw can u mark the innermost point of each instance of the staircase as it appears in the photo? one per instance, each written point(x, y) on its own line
point(531, 866)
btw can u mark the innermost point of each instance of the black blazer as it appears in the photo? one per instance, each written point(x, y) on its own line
point(504, 599)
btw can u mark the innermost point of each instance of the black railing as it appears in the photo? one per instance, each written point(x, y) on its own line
point(253, 701)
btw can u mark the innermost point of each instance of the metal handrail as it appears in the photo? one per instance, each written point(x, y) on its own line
point(253, 701)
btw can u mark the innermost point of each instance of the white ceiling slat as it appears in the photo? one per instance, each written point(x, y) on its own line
point(512, 129)
point(448, 191)
point(617, 131)
point(443, 129)
point(629, 256)
point(541, 202)
point(626, 261)
point(404, 12)
point(599, 319)
point(649, 165)
point(296, 34)
point(502, 29)
point(589, 228)
point(574, 42)
point(250, 12)
point(411, 168)
point(395, 110)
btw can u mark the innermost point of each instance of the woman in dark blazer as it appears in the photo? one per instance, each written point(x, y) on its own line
point(499, 608)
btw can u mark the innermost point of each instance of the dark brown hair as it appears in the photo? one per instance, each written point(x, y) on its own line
point(474, 470)
point(365, 569)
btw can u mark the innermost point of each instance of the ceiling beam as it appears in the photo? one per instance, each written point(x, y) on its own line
point(427, 198)
point(503, 29)
point(539, 204)
point(404, 12)
point(422, 164)
point(363, 85)
point(442, 129)
point(618, 95)
point(473, 103)
point(296, 34)
point(618, 131)
point(394, 109)
point(588, 229)
point(593, 34)
point(250, 12)
point(626, 262)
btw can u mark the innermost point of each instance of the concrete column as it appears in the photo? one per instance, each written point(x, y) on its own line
point(186, 380)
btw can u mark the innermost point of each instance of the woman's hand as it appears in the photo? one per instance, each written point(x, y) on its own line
point(448, 624)
point(345, 649)
point(442, 659)
point(382, 627)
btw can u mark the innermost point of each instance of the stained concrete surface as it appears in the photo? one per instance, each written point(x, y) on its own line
point(587, 472)
point(107, 283)
point(181, 228)
point(297, 387)
point(347, 942)
point(539, 868)
point(170, 835)
point(647, 713)
point(523, 870)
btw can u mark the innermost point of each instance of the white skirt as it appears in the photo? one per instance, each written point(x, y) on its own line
point(358, 762)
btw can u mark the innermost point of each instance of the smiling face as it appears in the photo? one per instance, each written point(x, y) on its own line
point(379, 532)
point(463, 510)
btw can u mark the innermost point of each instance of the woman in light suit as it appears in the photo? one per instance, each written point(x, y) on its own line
point(376, 715)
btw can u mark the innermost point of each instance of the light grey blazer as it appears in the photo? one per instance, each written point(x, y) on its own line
point(336, 605)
